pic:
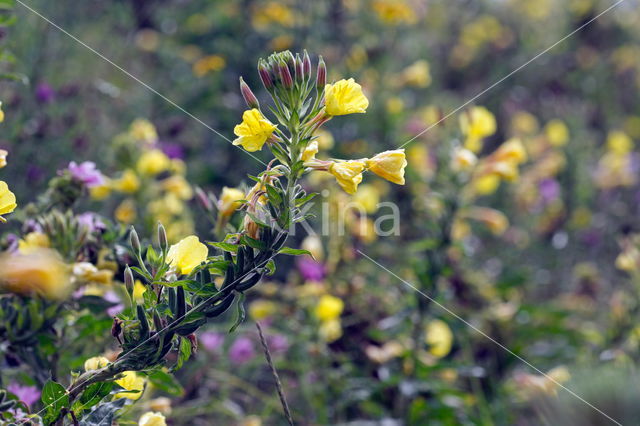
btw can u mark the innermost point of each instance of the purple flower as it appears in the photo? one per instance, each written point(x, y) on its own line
point(86, 173)
point(91, 222)
point(45, 93)
point(242, 351)
point(278, 343)
point(26, 394)
point(310, 269)
point(211, 340)
point(549, 190)
point(172, 150)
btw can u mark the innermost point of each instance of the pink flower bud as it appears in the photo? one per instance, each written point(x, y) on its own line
point(321, 78)
point(285, 76)
point(299, 72)
point(247, 94)
point(265, 75)
point(306, 65)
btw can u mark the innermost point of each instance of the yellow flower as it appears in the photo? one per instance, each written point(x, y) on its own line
point(261, 309)
point(100, 192)
point(512, 150)
point(329, 308)
point(153, 162)
point(152, 419)
point(161, 404)
point(254, 130)
point(130, 381)
point(418, 74)
point(325, 139)
point(126, 211)
point(389, 165)
point(187, 254)
point(487, 184)
point(7, 200)
point(344, 97)
point(95, 363)
point(367, 198)
point(476, 124)
point(41, 271)
point(331, 330)
point(310, 151)
point(463, 159)
point(313, 244)
point(557, 132)
point(32, 242)
point(3, 158)
point(143, 130)
point(178, 186)
point(138, 291)
point(619, 143)
point(207, 64)
point(228, 201)
point(128, 182)
point(348, 174)
point(439, 337)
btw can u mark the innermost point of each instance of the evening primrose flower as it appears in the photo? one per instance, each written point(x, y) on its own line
point(348, 174)
point(439, 337)
point(261, 309)
point(126, 211)
point(100, 192)
point(151, 418)
point(130, 381)
point(254, 130)
point(417, 74)
point(331, 330)
point(329, 308)
point(512, 150)
point(187, 254)
point(32, 242)
point(178, 186)
point(476, 124)
point(95, 363)
point(40, 271)
point(310, 151)
point(619, 142)
point(557, 132)
point(228, 201)
point(143, 130)
point(463, 159)
point(7, 200)
point(345, 97)
point(128, 182)
point(153, 162)
point(389, 165)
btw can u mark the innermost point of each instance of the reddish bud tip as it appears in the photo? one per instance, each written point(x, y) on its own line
point(285, 76)
point(247, 94)
point(265, 76)
point(321, 79)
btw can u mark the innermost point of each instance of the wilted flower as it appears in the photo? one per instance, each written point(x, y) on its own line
point(310, 151)
point(86, 173)
point(389, 165)
point(130, 381)
point(242, 350)
point(152, 419)
point(229, 200)
point(348, 174)
point(40, 271)
point(254, 130)
point(187, 254)
point(345, 97)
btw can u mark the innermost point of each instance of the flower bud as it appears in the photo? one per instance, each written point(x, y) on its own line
point(128, 279)
point(162, 237)
point(247, 94)
point(285, 75)
point(299, 72)
point(306, 65)
point(265, 75)
point(321, 78)
point(134, 241)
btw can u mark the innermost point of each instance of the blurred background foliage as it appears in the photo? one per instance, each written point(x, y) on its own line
point(557, 283)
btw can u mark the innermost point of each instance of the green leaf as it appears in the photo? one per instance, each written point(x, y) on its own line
point(233, 248)
point(164, 381)
point(54, 397)
point(184, 353)
point(103, 414)
point(242, 313)
point(252, 242)
point(273, 194)
point(294, 252)
point(271, 267)
point(92, 395)
point(303, 200)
